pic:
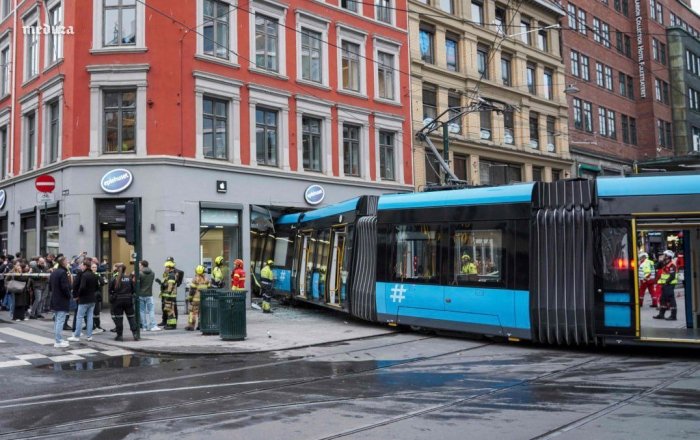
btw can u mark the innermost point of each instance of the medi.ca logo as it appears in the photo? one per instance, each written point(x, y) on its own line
point(47, 29)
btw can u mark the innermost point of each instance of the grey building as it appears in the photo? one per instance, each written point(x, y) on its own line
point(684, 55)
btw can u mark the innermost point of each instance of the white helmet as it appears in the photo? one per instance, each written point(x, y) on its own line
point(669, 253)
point(643, 255)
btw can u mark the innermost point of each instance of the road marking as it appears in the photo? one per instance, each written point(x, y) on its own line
point(83, 351)
point(17, 363)
point(118, 352)
point(29, 357)
point(27, 336)
point(67, 358)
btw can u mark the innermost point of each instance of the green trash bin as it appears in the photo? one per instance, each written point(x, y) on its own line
point(209, 311)
point(232, 324)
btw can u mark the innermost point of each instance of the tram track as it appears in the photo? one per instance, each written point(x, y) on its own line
point(72, 427)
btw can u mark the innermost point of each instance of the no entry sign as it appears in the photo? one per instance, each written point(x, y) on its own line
point(45, 183)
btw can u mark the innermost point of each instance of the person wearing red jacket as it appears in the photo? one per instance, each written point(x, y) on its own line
point(238, 275)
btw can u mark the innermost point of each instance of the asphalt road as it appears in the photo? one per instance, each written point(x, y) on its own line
point(399, 386)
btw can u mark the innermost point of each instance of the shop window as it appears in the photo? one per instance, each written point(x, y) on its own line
point(27, 238)
point(220, 235)
point(477, 255)
point(3, 235)
point(416, 253)
point(49, 232)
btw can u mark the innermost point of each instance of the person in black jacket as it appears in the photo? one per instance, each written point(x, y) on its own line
point(121, 295)
point(60, 300)
point(86, 301)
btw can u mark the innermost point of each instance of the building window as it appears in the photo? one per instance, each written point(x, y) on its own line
point(6, 9)
point(350, 5)
point(447, 6)
point(351, 66)
point(30, 143)
point(696, 139)
point(661, 90)
point(3, 235)
point(266, 43)
point(531, 81)
point(626, 86)
point(266, 136)
point(429, 102)
point(525, 30)
point(578, 114)
point(477, 12)
point(664, 133)
point(575, 68)
point(216, 28)
point(582, 26)
point(31, 62)
point(622, 6)
point(426, 41)
point(119, 23)
point(536, 174)
point(534, 130)
point(460, 167)
point(612, 126)
point(658, 50)
point(311, 143)
point(311, 57)
point(602, 122)
point(506, 70)
point(624, 122)
point(384, 11)
point(385, 75)
point(500, 20)
point(551, 140)
point(605, 34)
point(599, 80)
point(351, 150)
point(571, 15)
point(585, 68)
point(3, 152)
point(497, 173)
point(508, 128)
point(451, 53)
point(482, 57)
point(386, 155)
point(548, 84)
point(27, 239)
point(50, 235)
point(120, 121)
point(54, 130)
point(5, 71)
point(633, 131)
point(454, 103)
point(608, 78)
point(628, 46)
point(542, 41)
point(55, 39)
point(215, 128)
point(485, 118)
point(596, 30)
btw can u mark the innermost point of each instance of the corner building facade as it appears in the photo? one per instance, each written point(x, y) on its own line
point(461, 49)
point(631, 108)
point(219, 114)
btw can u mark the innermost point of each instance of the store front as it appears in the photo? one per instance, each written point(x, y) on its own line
point(219, 235)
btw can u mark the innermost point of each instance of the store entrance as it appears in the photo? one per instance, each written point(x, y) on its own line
point(682, 237)
point(112, 248)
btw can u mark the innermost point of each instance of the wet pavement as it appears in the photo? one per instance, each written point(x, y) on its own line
point(391, 386)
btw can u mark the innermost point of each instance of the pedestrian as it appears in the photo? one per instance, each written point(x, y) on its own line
point(168, 294)
point(86, 301)
point(199, 283)
point(19, 287)
point(41, 290)
point(98, 299)
point(121, 295)
point(77, 271)
point(238, 276)
point(668, 281)
point(217, 273)
point(145, 295)
point(646, 277)
point(60, 299)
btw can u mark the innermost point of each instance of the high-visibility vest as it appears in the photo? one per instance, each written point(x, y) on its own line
point(666, 274)
point(217, 275)
point(469, 269)
point(646, 268)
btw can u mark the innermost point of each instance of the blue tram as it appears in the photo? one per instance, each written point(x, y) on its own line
point(548, 262)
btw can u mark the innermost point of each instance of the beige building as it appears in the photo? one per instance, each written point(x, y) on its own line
point(503, 51)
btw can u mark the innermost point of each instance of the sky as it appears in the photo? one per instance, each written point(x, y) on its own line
point(696, 6)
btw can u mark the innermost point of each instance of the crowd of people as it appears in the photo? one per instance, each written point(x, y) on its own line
point(33, 287)
point(660, 280)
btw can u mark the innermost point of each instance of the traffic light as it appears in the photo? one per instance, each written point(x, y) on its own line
point(129, 220)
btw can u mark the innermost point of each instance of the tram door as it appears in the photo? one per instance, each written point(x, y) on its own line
point(302, 261)
point(336, 276)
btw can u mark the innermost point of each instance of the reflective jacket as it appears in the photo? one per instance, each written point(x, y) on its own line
point(668, 274)
point(217, 277)
point(646, 270)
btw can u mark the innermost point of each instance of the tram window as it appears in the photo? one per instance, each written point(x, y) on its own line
point(416, 253)
point(615, 258)
point(283, 251)
point(477, 255)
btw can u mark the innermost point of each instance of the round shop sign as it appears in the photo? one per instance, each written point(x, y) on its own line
point(3, 198)
point(116, 181)
point(314, 194)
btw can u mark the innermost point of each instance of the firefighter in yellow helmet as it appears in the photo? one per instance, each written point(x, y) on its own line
point(199, 283)
point(168, 291)
point(468, 266)
point(267, 279)
point(217, 273)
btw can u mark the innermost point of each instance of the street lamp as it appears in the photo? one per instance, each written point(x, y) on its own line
point(571, 89)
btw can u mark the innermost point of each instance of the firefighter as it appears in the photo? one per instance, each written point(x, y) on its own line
point(168, 292)
point(647, 279)
point(199, 283)
point(468, 267)
point(267, 279)
point(238, 275)
point(668, 281)
point(217, 274)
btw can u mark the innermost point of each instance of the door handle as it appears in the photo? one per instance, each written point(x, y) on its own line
point(448, 300)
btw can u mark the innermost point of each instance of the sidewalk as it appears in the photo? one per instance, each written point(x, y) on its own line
point(286, 328)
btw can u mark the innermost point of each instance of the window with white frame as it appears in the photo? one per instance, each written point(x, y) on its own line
point(386, 154)
point(266, 135)
point(119, 112)
point(386, 68)
point(30, 140)
point(54, 39)
point(215, 123)
point(311, 55)
point(311, 143)
point(54, 130)
point(350, 5)
point(350, 65)
point(266, 43)
point(5, 62)
point(351, 150)
point(6, 8)
point(383, 11)
point(216, 28)
point(119, 26)
point(31, 47)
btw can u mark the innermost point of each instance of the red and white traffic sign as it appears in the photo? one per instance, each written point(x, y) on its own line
point(45, 183)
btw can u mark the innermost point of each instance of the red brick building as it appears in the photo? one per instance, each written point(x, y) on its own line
point(268, 97)
point(617, 55)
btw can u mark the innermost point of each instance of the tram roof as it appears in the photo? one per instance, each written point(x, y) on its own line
point(289, 219)
point(518, 193)
point(330, 210)
point(648, 185)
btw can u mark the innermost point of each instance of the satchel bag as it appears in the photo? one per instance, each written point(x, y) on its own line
point(15, 286)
